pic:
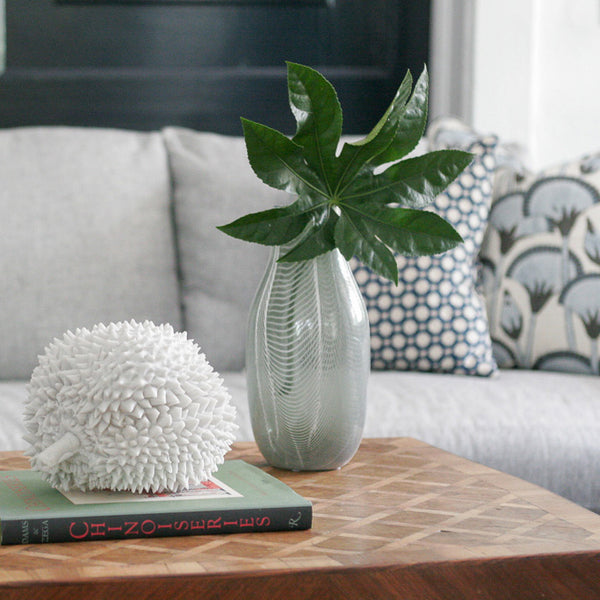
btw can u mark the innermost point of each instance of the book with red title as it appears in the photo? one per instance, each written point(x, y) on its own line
point(238, 498)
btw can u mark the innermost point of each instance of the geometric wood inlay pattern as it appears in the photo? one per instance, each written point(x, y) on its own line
point(402, 520)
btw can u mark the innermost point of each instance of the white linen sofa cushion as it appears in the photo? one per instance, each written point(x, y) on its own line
point(86, 236)
point(543, 427)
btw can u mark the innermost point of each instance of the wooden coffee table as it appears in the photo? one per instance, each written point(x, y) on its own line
point(402, 520)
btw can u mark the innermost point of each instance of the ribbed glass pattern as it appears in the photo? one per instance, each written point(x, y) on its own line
point(307, 363)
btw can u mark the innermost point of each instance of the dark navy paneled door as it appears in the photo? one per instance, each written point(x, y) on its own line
point(143, 64)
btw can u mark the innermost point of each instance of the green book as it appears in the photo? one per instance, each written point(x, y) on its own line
point(239, 498)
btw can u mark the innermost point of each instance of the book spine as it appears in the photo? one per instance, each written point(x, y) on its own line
point(114, 527)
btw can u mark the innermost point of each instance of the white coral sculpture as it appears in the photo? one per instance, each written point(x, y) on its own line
point(127, 406)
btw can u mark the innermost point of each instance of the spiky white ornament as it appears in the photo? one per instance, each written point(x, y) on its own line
point(127, 406)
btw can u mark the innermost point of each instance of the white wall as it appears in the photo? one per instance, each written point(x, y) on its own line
point(568, 117)
point(536, 75)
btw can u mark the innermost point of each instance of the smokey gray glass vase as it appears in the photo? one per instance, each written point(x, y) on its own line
point(308, 362)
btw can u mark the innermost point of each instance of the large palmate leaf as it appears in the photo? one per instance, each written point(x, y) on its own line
point(364, 200)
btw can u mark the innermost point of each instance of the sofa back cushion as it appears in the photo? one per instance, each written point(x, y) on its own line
point(86, 236)
point(213, 184)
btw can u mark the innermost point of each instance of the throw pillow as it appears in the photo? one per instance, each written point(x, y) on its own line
point(541, 273)
point(435, 320)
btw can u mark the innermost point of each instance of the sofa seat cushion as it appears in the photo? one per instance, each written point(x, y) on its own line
point(86, 236)
point(543, 427)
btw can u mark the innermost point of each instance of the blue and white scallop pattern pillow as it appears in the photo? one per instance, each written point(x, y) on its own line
point(435, 319)
point(541, 268)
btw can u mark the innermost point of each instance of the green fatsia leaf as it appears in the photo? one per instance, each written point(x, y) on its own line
point(408, 231)
point(319, 241)
point(414, 182)
point(272, 227)
point(350, 201)
point(353, 237)
point(357, 154)
point(278, 161)
point(411, 125)
point(318, 115)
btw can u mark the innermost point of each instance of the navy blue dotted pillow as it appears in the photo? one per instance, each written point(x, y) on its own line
point(435, 320)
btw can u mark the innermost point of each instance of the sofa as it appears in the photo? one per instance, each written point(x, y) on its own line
point(103, 225)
